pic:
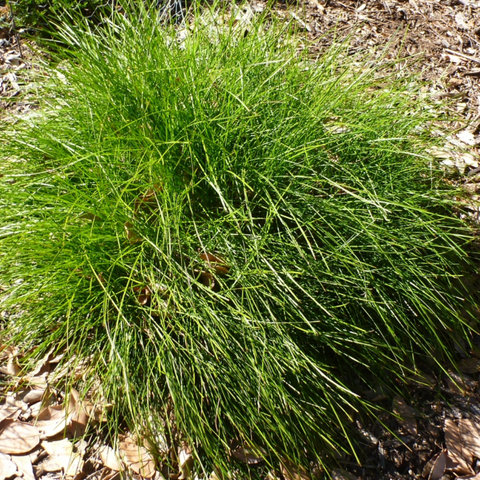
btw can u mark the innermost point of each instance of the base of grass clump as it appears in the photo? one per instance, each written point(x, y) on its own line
point(244, 240)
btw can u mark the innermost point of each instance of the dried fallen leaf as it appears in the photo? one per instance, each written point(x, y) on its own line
point(7, 467)
point(407, 415)
point(18, 437)
point(143, 294)
point(11, 400)
point(78, 417)
point(39, 381)
point(457, 383)
point(438, 467)
point(215, 262)
point(35, 409)
point(469, 477)
point(8, 412)
point(62, 458)
point(24, 465)
point(109, 458)
point(208, 280)
point(467, 137)
point(34, 396)
point(136, 457)
point(185, 462)
point(469, 365)
point(132, 235)
point(41, 366)
point(52, 420)
point(12, 368)
point(293, 472)
point(247, 455)
point(459, 458)
point(58, 447)
point(149, 199)
point(470, 436)
point(70, 464)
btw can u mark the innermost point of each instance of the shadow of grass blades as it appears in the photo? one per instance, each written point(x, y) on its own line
point(243, 239)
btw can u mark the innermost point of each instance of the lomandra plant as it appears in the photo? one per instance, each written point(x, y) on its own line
point(239, 238)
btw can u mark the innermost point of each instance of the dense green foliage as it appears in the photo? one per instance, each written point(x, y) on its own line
point(40, 13)
point(236, 234)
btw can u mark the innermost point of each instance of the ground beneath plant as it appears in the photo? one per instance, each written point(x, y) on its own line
point(435, 433)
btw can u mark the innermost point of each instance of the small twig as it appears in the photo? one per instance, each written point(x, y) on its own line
point(467, 57)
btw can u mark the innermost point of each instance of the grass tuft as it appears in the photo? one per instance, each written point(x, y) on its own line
point(242, 239)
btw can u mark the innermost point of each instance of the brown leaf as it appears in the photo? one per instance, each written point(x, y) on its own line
point(457, 383)
point(136, 457)
point(58, 447)
point(62, 458)
point(143, 294)
point(208, 280)
point(11, 400)
point(7, 467)
point(439, 466)
point(78, 423)
point(52, 420)
point(97, 413)
point(459, 458)
point(132, 235)
point(293, 472)
point(470, 477)
point(469, 365)
point(24, 465)
point(35, 409)
point(39, 381)
point(149, 199)
point(8, 412)
point(216, 263)
point(41, 366)
point(34, 396)
point(18, 438)
point(12, 368)
point(470, 436)
point(185, 462)
point(70, 464)
point(407, 415)
point(109, 458)
point(247, 455)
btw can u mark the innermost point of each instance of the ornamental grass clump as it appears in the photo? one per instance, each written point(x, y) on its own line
point(241, 239)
